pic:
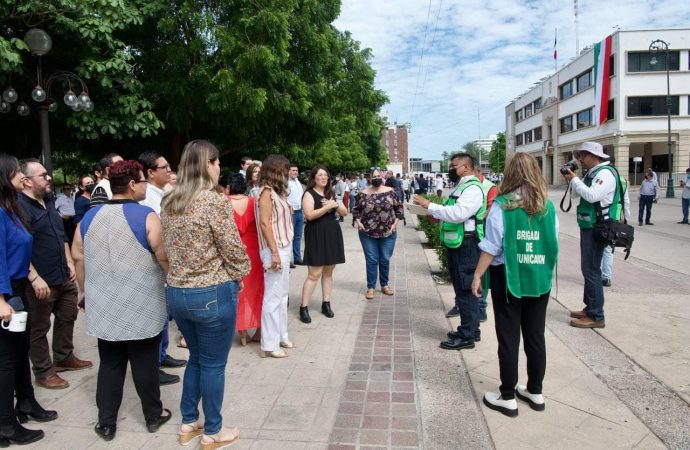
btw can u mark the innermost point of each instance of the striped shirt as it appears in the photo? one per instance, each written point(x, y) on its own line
point(281, 221)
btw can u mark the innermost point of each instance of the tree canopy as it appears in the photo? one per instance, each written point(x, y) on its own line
point(270, 76)
point(497, 157)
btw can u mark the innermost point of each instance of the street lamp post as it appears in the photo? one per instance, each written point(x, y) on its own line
point(40, 43)
point(655, 47)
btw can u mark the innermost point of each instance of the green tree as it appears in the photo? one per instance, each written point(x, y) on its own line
point(497, 157)
point(475, 151)
point(87, 40)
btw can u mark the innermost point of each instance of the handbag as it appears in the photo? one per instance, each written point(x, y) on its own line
point(613, 232)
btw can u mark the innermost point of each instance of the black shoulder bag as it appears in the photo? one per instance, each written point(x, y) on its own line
point(613, 232)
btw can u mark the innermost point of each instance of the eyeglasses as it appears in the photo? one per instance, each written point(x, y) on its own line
point(139, 181)
point(166, 167)
point(44, 175)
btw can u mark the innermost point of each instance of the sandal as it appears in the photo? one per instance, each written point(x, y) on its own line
point(387, 290)
point(288, 344)
point(274, 354)
point(186, 437)
point(370, 294)
point(181, 342)
point(224, 438)
point(244, 337)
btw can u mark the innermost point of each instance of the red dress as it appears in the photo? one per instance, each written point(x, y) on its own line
point(251, 297)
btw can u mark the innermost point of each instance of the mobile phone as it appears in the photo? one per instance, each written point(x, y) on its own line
point(16, 303)
point(82, 303)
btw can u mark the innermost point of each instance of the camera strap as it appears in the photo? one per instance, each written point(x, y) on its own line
point(570, 199)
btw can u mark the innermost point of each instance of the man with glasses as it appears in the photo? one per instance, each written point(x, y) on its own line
point(462, 227)
point(599, 199)
point(157, 174)
point(102, 193)
point(52, 291)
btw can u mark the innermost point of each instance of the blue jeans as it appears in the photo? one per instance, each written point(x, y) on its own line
point(206, 317)
point(377, 253)
point(591, 253)
point(165, 340)
point(607, 264)
point(461, 264)
point(685, 206)
point(298, 224)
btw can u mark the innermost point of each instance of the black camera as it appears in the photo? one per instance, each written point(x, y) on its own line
point(570, 165)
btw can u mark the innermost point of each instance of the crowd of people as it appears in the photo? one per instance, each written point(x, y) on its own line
point(140, 246)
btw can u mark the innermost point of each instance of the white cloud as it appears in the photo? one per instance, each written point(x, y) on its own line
point(483, 54)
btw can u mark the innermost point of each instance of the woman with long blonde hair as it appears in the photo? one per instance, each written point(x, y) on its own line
point(520, 248)
point(207, 263)
point(275, 242)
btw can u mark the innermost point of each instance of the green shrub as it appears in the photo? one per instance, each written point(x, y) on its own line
point(432, 231)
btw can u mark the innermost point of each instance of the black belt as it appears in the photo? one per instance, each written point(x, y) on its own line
point(472, 234)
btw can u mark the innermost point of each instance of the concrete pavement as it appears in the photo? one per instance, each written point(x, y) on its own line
point(374, 377)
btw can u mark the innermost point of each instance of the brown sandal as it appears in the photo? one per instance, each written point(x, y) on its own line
point(370, 294)
point(387, 290)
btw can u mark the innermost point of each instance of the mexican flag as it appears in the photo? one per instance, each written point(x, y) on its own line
point(602, 81)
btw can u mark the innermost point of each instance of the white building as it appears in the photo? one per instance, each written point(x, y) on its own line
point(557, 113)
point(485, 144)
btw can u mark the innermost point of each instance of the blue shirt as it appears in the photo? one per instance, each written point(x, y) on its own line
point(81, 205)
point(15, 252)
point(135, 215)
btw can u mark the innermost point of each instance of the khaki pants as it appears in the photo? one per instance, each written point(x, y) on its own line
point(62, 303)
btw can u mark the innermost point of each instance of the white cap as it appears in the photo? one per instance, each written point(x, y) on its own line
point(594, 148)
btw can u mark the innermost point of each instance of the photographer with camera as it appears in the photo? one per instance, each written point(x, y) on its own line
point(599, 201)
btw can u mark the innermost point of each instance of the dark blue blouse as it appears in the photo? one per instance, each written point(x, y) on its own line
point(81, 205)
point(15, 251)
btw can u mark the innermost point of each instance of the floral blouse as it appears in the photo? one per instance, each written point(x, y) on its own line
point(377, 212)
point(203, 244)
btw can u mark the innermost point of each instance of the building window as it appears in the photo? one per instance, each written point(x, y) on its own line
point(528, 110)
point(518, 139)
point(537, 105)
point(584, 118)
point(519, 115)
point(528, 136)
point(537, 134)
point(651, 106)
point(566, 90)
point(642, 61)
point(566, 124)
point(610, 114)
point(584, 81)
point(612, 68)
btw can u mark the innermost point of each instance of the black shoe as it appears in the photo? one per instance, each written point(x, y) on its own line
point(326, 309)
point(173, 363)
point(17, 434)
point(299, 263)
point(606, 283)
point(684, 222)
point(648, 223)
point(304, 314)
point(456, 335)
point(154, 425)
point(453, 312)
point(32, 410)
point(167, 378)
point(482, 315)
point(107, 432)
point(457, 344)
point(639, 224)
point(292, 265)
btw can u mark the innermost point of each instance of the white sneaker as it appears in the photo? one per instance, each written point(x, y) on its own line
point(536, 401)
point(497, 403)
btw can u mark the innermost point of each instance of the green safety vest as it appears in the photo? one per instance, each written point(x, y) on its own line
point(530, 249)
point(452, 234)
point(587, 212)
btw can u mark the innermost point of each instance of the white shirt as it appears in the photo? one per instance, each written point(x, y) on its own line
point(438, 184)
point(154, 197)
point(493, 234)
point(295, 192)
point(64, 205)
point(602, 188)
point(464, 209)
point(405, 184)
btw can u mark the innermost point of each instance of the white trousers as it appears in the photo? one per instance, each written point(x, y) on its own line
point(274, 318)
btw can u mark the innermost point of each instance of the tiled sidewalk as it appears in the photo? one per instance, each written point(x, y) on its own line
point(378, 406)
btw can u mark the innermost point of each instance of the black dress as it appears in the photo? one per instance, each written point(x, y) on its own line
point(323, 238)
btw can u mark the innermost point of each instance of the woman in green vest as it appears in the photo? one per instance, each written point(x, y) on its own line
point(520, 249)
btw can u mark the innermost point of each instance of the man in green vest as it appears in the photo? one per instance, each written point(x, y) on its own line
point(461, 217)
point(599, 200)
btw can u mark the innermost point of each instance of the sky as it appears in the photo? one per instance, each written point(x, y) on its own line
point(450, 67)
